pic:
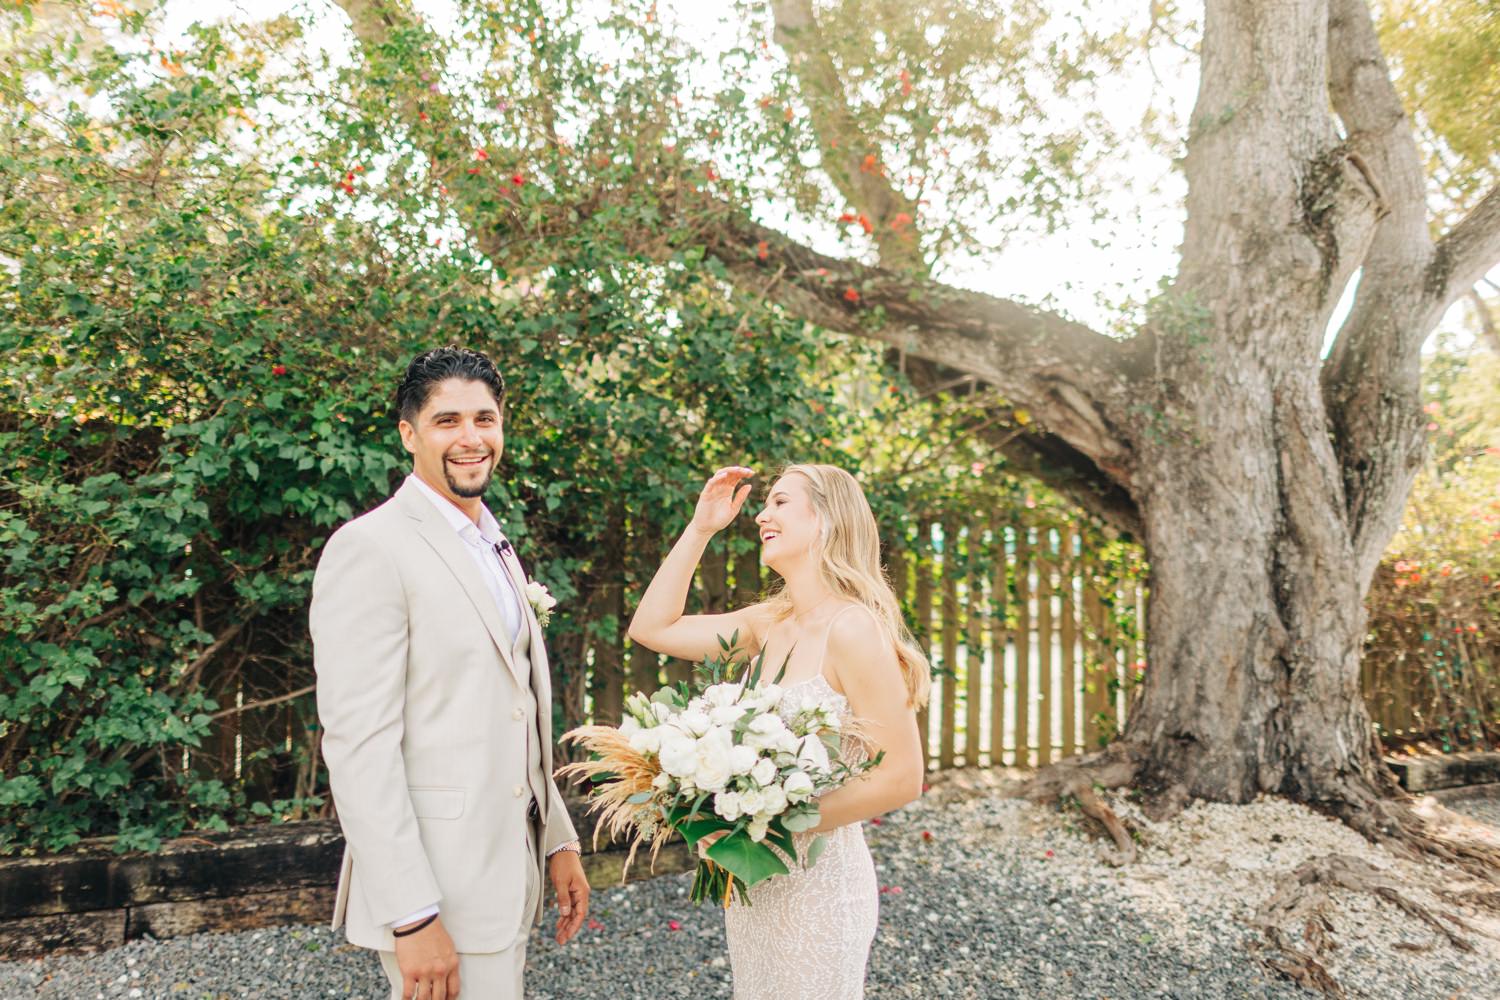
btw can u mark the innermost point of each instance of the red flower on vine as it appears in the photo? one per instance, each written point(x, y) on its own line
point(850, 295)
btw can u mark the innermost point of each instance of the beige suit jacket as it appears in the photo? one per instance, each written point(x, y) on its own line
point(420, 698)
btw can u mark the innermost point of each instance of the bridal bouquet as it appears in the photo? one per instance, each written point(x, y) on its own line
point(719, 757)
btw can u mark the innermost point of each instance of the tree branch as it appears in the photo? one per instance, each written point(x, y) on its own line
point(952, 331)
point(1371, 379)
point(845, 148)
point(1070, 378)
point(1468, 252)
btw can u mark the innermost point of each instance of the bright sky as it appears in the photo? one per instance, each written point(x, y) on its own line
point(1084, 271)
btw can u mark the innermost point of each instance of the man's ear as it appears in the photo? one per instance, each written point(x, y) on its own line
point(408, 436)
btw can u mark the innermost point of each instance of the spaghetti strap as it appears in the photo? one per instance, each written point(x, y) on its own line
point(823, 653)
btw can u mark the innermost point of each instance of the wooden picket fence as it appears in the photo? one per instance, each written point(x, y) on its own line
point(1035, 649)
point(1036, 642)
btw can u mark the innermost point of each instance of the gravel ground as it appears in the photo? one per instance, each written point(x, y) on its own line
point(982, 897)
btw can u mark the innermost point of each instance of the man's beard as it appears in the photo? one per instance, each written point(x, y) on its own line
point(468, 492)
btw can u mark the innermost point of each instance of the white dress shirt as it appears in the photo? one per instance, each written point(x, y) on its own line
point(480, 541)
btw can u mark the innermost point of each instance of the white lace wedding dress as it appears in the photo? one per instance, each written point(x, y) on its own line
point(807, 934)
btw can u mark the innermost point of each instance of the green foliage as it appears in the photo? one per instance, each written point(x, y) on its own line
point(1448, 76)
point(216, 261)
point(1436, 598)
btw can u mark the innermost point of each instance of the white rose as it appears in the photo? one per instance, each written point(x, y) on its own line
point(775, 801)
point(536, 594)
point(662, 712)
point(661, 781)
point(812, 755)
point(798, 787)
point(757, 829)
point(646, 740)
point(695, 722)
point(727, 805)
point(769, 695)
point(766, 724)
point(721, 695)
point(628, 726)
point(712, 769)
point(752, 802)
point(726, 715)
point(679, 754)
point(764, 772)
point(787, 742)
point(742, 759)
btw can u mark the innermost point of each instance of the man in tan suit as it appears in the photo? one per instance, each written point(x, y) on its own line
point(435, 700)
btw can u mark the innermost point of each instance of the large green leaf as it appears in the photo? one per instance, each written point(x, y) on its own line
point(745, 859)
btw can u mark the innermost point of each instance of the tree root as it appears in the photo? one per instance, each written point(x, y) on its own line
point(1304, 896)
point(1371, 804)
point(1077, 778)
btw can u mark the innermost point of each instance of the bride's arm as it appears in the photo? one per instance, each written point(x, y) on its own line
point(862, 663)
point(658, 622)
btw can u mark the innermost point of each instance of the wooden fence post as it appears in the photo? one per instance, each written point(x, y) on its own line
point(974, 611)
point(1045, 688)
point(999, 608)
point(1067, 538)
point(1023, 644)
point(949, 723)
point(921, 563)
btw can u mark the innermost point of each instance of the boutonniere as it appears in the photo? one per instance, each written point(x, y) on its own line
point(541, 600)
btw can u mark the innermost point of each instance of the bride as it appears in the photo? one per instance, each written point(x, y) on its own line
point(835, 621)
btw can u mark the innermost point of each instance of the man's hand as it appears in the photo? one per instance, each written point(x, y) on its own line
point(429, 964)
point(572, 887)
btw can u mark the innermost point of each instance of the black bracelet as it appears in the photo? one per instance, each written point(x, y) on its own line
point(403, 932)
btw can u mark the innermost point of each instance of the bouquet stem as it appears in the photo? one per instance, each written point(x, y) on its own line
point(714, 882)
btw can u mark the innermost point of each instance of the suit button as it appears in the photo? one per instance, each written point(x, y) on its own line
point(517, 714)
point(518, 791)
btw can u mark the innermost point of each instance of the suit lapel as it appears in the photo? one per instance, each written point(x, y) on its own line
point(450, 548)
point(541, 678)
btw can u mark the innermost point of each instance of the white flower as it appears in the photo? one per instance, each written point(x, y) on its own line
point(629, 727)
point(639, 707)
point(661, 781)
point(712, 769)
point(722, 695)
point(742, 759)
point(679, 753)
point(812, 755)
point(752, 802)
point(646, 740)
point(694, 721)
point(541, 601)
point(757, 829)
point(765, 698)
point(727, 805)
point(662, 712)
point(798, 787)
point(726, 715)
point(764, 772)
point(765, 731)
point(775, 801)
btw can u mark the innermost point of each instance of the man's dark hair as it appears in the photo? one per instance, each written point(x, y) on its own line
point(431, 367)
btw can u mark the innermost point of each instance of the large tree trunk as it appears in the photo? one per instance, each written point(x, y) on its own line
point(1255, 620)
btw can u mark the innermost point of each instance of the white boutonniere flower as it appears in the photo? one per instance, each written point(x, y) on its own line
point(541, 600)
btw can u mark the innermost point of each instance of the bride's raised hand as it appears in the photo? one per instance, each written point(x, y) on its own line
point(722, 498)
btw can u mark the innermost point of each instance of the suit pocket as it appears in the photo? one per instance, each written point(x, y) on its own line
point(437, 802)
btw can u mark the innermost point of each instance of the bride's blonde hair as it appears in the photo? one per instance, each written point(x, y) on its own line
point(848, 551)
